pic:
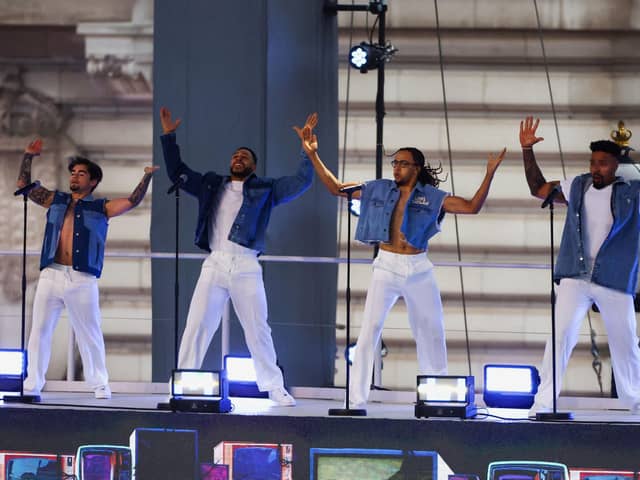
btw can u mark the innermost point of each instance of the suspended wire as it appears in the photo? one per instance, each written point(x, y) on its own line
point(344, 135)
point(453, 188)
point(595, 352)
point(553, 105)
point(373, 28)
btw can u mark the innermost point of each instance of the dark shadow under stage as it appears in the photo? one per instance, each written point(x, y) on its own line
point(599, 437)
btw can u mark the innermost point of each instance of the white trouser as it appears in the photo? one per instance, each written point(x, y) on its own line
point(226, 275)
point(574, 298)
point(411, 277)
point(60, 286)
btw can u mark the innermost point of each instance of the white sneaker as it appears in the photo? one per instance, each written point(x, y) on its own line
point(281, 397)
point(102, 392)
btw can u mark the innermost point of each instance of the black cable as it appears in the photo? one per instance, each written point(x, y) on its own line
point(453, 188)
point(344, 136)
point(594, 346)
point(546, 69)
point(373, 28)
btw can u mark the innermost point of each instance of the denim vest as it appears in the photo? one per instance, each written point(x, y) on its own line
point(260, 195)
point(421, 219)
point(616, 264)
point(89, 233)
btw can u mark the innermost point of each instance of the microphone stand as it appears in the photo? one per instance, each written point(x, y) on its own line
point(346, 411)
point(175, 188)
point(553, 415)
point(22, 398)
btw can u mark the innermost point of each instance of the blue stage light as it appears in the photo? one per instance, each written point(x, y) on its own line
point(239, 369)
point(241, 374)
point(13, 365)
point(510, 386)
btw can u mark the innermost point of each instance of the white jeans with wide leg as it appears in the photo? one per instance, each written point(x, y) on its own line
point(60, 286)
point(574, 298)
point(394, 276)
point(238, 277)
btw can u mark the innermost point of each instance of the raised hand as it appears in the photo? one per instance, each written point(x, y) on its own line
point(528, 132)
point(34, 148)
point(494, 161)
point(306, 135)
point(168, 125)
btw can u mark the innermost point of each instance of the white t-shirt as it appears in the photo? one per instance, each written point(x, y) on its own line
point(220, 224)
point(597, 218)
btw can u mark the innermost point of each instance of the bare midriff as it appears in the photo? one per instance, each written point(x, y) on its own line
point(64, 253)
point(397, 241)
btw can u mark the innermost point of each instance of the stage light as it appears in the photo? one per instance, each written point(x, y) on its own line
point(369, 56)
point(199, 391)
point(510, 386)
point(355, 207)
point(350, 352)
point(445, 396)
point(13, 365)
point(241, 375)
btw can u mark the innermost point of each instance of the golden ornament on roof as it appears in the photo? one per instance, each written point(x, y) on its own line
point(621, 136)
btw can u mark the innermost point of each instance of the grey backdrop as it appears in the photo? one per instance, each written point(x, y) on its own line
point(242, 73)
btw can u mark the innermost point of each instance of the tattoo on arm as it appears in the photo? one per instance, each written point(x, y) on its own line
point(532, 171)
point(24, 177)
point(41, 196)
point(141, 189)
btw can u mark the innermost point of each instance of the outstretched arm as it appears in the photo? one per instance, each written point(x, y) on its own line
point(538, 185)
point(171, 153)
point(118, 206)
point(39, 195)
point(455, 204)
point(310, 146)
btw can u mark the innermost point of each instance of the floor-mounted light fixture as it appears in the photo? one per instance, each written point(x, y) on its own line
point(445, 396)
point(199, 391)
point(510, 386)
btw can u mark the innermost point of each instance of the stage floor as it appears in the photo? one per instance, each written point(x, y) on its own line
point(315, 402)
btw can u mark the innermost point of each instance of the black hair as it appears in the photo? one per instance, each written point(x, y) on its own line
point(427, 175)
point(253, 154)
point(607, 146)
point(95, 172)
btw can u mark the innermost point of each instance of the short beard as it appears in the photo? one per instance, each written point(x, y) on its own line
point(241, 174)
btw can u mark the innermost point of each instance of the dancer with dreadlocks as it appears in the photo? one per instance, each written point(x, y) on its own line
point(400, 216)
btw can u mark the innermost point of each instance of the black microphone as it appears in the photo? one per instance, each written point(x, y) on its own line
point(27, 189)
point(547, 201)
point(182, 179)
point(351, 189)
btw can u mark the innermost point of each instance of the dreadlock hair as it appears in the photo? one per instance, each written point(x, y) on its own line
point(427, 175)
point(606, 146)
point(95, 172)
